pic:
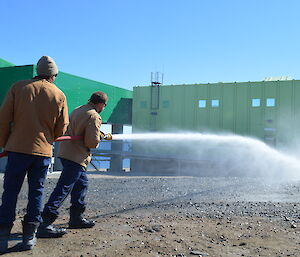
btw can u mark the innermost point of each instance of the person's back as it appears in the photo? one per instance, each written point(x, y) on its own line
point(34, 113)
point(84, 121)
point(36, 123)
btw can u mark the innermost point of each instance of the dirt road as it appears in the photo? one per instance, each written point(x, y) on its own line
point(177, 216)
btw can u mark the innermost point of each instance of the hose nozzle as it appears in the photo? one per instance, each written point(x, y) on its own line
point(108, 136)
point(104, 136)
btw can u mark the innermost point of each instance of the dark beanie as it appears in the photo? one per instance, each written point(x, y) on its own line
point(46, 67)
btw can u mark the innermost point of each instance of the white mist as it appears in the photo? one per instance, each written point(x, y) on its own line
point(231, 155)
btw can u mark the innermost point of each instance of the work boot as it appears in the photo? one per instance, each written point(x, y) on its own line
point(47, 230)
point(77, 221)
point(50, 231)
point(29, 235)
point(4, 237)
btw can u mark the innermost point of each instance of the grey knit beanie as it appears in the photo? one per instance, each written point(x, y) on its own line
point(46, 66)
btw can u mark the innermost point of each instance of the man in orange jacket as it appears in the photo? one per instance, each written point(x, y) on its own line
point(75, 156)
point(33, 114)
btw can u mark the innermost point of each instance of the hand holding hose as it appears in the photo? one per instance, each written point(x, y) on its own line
point(104, 136)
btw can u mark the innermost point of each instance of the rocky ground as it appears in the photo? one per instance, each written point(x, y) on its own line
point(177, 216)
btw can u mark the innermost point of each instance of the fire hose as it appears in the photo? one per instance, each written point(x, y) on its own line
point(104, 136)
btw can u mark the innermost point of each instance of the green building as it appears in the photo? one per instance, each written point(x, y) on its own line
point(267, 110)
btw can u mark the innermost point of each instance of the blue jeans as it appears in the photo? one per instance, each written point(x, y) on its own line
point(73, 179)
point(18, 165)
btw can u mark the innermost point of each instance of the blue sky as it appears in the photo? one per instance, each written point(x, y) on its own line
point(120, 42)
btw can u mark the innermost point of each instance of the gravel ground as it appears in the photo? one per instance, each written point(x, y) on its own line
point(177, 216)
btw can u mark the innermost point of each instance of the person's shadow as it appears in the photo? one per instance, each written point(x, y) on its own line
point(17, 237)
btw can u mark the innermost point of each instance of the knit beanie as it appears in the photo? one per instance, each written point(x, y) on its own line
point(46, 67)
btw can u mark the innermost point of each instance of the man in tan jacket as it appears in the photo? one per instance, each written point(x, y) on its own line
point(75, 156)
point(33, 114)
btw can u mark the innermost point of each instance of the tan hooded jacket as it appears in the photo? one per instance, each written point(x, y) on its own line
point(86, 122)
point(33, 114)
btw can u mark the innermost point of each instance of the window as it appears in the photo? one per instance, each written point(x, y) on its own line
point(165, 104)
point(202, 103)
point(255, 102)
point(270, 140)
point(143, 104)
point(270, 102)
point(269, 129)
point(215, 103)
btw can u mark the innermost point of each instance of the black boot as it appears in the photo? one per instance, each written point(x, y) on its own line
point(77, 221)
point(29, 235)
point(4, 237)
point(47, 230)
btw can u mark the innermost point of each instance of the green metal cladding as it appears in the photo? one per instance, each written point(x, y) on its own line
point(4, 63)
point(10, 75)
point(77, 90)
point(268, 110)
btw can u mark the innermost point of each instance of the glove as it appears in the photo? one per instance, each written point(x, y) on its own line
point(102, 135)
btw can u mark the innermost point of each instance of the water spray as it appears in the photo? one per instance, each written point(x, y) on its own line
point(229, 154)
point(246, 155)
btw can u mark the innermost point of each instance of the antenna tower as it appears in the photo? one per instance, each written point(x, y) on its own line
point(157, 78)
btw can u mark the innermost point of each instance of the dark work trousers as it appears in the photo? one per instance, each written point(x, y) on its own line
point(18, 165)
point(73, 179)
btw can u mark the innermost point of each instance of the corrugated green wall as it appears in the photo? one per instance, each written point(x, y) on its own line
point(178, 109)
point(77, 91)
point(10, 75)
point(4, 63)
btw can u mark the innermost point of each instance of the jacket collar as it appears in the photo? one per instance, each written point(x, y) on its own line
point(92, 106)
